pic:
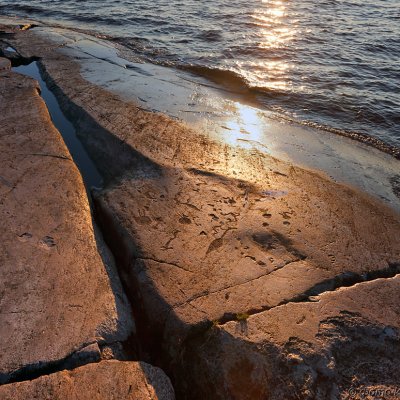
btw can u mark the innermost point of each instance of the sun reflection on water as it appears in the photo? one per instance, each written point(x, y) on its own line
point(243, 123)
point(275, 31)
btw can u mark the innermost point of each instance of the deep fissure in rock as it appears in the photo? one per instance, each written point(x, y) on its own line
point(126, 350)
point(150, 341)
point(88, 170)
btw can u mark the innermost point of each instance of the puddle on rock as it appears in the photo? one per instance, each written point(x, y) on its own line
point(90, 174)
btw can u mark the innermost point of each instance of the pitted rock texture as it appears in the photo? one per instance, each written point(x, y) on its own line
point(209, 247)
point(56, 297)
point(228, 254)
point(335, 347)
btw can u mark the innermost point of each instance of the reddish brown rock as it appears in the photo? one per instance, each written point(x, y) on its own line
point(103, 381)
point(56, 297)
point(209, 247)
point(342, 345)
point(4, 64)
point(216, 240)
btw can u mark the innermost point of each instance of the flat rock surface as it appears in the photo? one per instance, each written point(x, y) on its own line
point(239, 261)
point(56, 296)
point(211, 246)
point(339, 346)
point(106, 380)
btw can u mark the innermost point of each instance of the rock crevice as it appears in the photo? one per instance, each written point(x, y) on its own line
point(249, 277)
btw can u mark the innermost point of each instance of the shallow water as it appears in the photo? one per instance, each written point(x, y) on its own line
point(329, 62)
point(224, 117)
point(90, 174)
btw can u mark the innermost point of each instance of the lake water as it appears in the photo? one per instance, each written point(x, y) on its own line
point(333, 63)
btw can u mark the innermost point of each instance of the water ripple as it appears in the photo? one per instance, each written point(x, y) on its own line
point(332, 62)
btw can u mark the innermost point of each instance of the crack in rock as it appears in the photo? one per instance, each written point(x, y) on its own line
point(343, 280)
point(85, 354)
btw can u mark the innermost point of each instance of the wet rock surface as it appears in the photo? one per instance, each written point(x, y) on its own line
point(244, 271)
point(56, 297)
point(103, 381)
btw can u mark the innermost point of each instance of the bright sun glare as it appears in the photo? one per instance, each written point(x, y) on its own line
point(274, 32)
point(245, 123)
